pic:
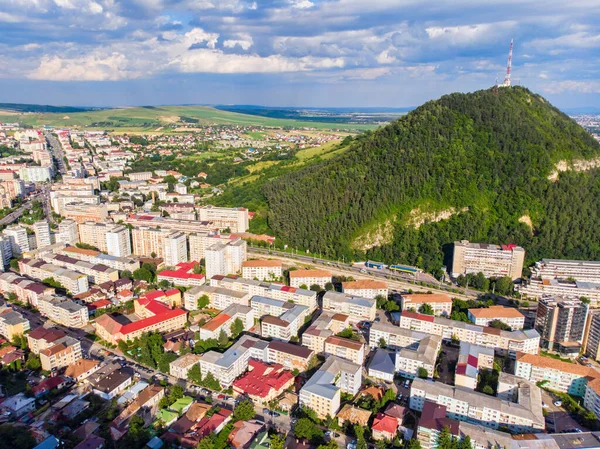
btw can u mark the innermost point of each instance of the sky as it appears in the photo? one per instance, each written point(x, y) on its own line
point(322, 53)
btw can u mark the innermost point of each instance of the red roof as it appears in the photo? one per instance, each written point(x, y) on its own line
point(418, 316)
point(150, 296)
point(385, 423)
point(141, 324)
point(172, 292)
point(461, 369)
point(99, 304)
point(262, 378)
point(472, 360)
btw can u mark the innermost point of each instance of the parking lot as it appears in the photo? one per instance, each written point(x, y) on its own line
point(558, 419)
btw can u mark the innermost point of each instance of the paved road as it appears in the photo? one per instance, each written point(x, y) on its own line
point(15, 215)
point(56, 150)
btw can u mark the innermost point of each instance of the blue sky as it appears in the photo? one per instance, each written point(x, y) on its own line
point(391, 53)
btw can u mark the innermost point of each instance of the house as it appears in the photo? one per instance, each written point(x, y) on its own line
point(48, 384)
point(110, 380)
point(373, 391)
point(243, 433)
point(81, 369)
point(353, 415)
point(384, 427)
point(180, 368)
point(18, 405)
point(49, 443)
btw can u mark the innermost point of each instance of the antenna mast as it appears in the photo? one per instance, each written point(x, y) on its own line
point(508, 66)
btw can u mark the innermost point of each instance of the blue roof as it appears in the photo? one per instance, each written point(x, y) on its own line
point(49, 443)
point(383, 361)
point(155, 443)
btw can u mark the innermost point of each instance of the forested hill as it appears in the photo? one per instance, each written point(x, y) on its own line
point(486, 157)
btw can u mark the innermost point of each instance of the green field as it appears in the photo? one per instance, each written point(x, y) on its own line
point(148, 119)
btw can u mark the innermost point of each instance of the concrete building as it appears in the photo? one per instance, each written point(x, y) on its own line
point(491, 260)
point(67, 232)
point(508, 315)
point(409, 360)
point(557, 375)
point(567, 288)
point(523, 416)
point(439, 302)
point(345, 348)
point(323, 390)
point(147, 241)
point(309, 278)
point(34, 173)
point(184, 275)
point(224, 321)
point(326, 325)
point(591, 340)
point(96, 257)
point(63, 311)
point(180, 368)
point(355, 307)
point(383, 365)
point(82, 212)
point(233, 218)
point(366, 288)
point(118, 241)
point(175, 249)
point(262, 270)
point(504, 342)
point(578, 270)
point(471, 360)
point(43, 237)
point(591, 400)
point(225, 258)
point(64, 352)
point(561, 324)
point(284, 327)
point(290, 355)
point(73, 281)
point(219, 298)
point(19, 242)
point(5, 252)
point(96, 273)
point(12, 323)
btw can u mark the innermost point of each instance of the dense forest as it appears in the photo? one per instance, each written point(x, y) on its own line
point(486, 154)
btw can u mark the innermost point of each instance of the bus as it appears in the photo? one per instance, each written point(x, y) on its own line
point(404, 269)
point(371, 264)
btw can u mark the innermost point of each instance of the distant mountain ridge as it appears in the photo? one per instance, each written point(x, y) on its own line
point(481, 161)
point(42, 109)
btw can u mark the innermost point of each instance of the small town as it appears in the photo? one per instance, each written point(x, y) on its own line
point(136, 314)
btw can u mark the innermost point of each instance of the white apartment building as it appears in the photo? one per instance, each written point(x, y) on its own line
point(395, 337)
point(96, 257)
point(591, 400)
point(527, 341)
point(491, 260)
point(180, 368)
point(439, 302)
point(43, 237)
point(540, 288)
point(471, 360)
point(19, 242)
point(508, 315)
point(409, 360)
point(64, 352)
point(225, 258)
point(345, 348)
point(73, 281)
point(224, 320)
point(118, 241)
point(323, 390)
point(63, 311)
point(579, 270)
point(96, 273)
point(326, 325)
point(5, 252)
point(366, 288)
point(140, 176)
point(355, 307)
point(220, 298)
point(523, 416)
point(67, 233)
point(234, 218)
point(284, 326)
point(175, 252)
point(309, 278)
point(557, 375)
point(34, 173)
point(262, 270)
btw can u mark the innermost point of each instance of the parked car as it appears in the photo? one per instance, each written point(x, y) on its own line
point(275, 414)
point(558, 403)
point(266, 411)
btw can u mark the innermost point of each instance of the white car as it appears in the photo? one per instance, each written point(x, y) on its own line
point(558, 403)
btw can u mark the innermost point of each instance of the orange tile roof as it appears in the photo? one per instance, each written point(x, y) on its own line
point(550, 363)
point(364, 284)
point(310, 274)
point(216, 322)
point(87, 252)
point(496, 312)
point(427, 298)
point(80, 367)
point(344, 342)
point(595, 385)
point(261, 263)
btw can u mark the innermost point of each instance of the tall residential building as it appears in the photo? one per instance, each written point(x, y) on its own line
point(5, 252)
point(42, 234)
point(19, 241)
point(225, 258)
point(175, 249)
point(579, 270)
point(561, 324)
point(147, 241)
point(118, 241)
point(67, 232)
point(12, 323)
point(234, 218)
point(491, 260)
point(591, 343)
point(200, 241)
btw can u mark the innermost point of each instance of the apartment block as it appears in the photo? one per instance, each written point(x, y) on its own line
point(200, 241)
point(345, 348)
point(225, 320)
point(409, 360)
point(73, 281)
point(63, 311)
point(175, 249)
point(262, 270)
point(591, 400)
point(491, 260)
point(355, 307)
point(578, 270)
point(43, 237)
point(366, 288)
point(12, 323)
point(96, 257)
point(82, 212)
point(34, 173)
point(471, 360)
point(225, 258)
point(64, 352)
point(96, 273)
point(557, 375)
point(19, 242)
point(234, 218)
point(502, 341)
point(147, 241)
point(591, 343)
point(323, 390)
point(118, 241)
point(291, 356)
point(219, 298)
point(508, 315)
point(42, 338)
point(523, 416)
point(180, 368)
point(561, 324)
point(309, 278)
point(326, 325)
point(439, 302)
point(564, 288)
point(183, 275)
point(67, 232)
point(395, 337)
point(285, 326)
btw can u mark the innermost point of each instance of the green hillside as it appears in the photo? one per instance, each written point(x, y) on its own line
point(481, 158)
point(150, 118)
